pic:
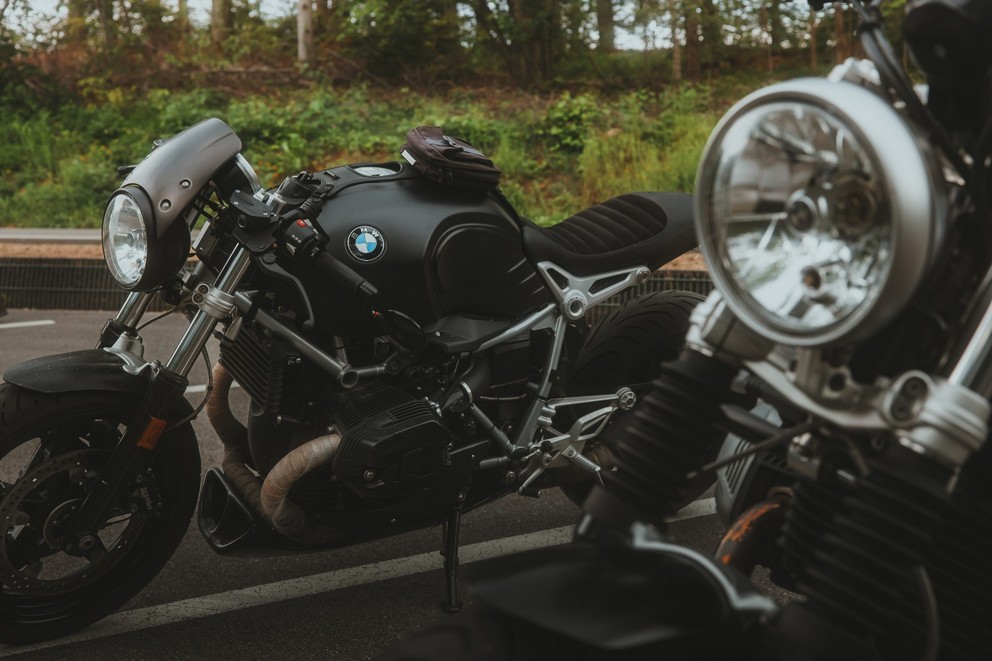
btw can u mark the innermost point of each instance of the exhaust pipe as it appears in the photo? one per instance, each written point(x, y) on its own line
point(286, 516)
point(269, 500)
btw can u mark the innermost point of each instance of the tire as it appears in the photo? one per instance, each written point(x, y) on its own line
point(627, 348)
point(52, 448)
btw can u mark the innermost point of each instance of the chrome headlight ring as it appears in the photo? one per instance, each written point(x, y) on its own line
point(140, 250)
point(125, 237)
point(818, 210)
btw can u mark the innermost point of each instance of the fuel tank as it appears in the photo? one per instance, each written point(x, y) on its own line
point(431, 250)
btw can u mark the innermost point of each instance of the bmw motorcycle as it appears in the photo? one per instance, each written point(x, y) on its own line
point(411, 349)
point(846, 222)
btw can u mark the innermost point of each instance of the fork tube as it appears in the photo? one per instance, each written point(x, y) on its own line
point(203, 323)
point(970, 363)
point(126, 320)
point(134, 308)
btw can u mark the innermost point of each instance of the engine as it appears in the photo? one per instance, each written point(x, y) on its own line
point(392, 444)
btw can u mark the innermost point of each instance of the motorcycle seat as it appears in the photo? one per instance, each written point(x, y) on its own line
point(636, 228)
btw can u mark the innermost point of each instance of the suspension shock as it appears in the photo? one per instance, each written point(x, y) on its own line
point(672, 433)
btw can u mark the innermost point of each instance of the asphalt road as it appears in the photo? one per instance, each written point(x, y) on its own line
point(347, 604)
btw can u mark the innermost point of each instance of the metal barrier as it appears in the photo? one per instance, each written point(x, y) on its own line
point(85, 284)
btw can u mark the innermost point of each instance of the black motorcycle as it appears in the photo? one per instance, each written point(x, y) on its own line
point(847, 224)
point(412, 349)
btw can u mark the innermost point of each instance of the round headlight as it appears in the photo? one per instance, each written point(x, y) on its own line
point(125, 240)
point(817, 211)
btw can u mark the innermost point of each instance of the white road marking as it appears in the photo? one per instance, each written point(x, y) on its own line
point(26, 324)
point(260, 595)
point(203, 388)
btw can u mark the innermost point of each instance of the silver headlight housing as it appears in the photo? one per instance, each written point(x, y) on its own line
point(818, 210)
point(125, 239)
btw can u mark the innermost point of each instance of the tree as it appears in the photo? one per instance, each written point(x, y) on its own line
point(812, 24)
point(842, 48)
point(182, 17)
point(304, 32)
point(606, 25)
point(674, 15)
point(525, 33)
point(221, 21)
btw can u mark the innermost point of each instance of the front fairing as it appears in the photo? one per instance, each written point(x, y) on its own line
point(173, 174)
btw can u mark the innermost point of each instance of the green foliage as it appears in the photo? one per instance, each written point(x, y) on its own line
point(567, 122)
point(557, 155)
point(418, 39)
point(654, 144)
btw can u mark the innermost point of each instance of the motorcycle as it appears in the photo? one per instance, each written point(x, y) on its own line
point(412, 349)
point(846, 222)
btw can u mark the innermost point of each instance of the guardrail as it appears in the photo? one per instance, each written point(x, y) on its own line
point(85, 284)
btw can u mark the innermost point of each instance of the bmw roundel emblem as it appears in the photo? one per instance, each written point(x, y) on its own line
point(366, 244)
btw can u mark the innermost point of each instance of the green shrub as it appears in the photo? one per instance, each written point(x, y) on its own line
point(568, 121)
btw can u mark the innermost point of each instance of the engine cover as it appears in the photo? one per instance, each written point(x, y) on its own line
point(392, 444)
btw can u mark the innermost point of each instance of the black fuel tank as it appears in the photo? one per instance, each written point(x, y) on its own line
point(431, 250)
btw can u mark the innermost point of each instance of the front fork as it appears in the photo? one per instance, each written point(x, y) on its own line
point(167, 384)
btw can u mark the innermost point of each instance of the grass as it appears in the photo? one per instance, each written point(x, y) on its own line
point(558, 154)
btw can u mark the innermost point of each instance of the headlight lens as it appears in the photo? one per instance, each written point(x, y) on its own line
point(813, 201)
point(125, 240)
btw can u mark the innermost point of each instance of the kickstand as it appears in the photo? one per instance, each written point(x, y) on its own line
point(449, 550)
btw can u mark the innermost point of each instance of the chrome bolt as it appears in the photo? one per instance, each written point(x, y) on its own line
point(626, 398)
point(369, 475)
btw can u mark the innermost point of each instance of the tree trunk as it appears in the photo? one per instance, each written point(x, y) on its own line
point(673, 14)
point(766, 28)
point(488, 30)
point(842, 49)
point(76, 21)
point(182, 16)
point(105, 10)
point(304, 32)
point(813, 64)
point(536, 27)
point(221, 21)
point(606, 24)
point(693, 63)
point(711, 31)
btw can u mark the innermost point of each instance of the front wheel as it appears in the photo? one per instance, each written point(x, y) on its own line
point(52, 450)
point(627, 348)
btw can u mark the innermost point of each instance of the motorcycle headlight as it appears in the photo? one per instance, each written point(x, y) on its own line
point(817, 210)
point(125, 239)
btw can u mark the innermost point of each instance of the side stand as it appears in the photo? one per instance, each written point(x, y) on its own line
point(449, 550)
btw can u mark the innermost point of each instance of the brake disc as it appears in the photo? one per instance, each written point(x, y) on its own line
point(32, 512)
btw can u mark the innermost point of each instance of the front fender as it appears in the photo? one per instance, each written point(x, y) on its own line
point(91, 369)
point(611, 598)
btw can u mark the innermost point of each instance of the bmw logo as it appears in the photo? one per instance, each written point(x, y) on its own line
point(366, 244)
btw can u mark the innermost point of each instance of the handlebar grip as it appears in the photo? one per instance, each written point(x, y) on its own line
point(337, 270)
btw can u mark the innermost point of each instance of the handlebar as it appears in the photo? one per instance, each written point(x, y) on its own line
point(337, 270)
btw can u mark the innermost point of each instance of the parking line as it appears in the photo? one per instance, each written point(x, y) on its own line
point(260, 595)
point(26, 324)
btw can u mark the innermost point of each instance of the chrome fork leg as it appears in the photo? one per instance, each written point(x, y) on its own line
point(127, 318)
point(203, 323)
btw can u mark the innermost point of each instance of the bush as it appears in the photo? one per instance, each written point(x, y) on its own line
point(557, 155)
